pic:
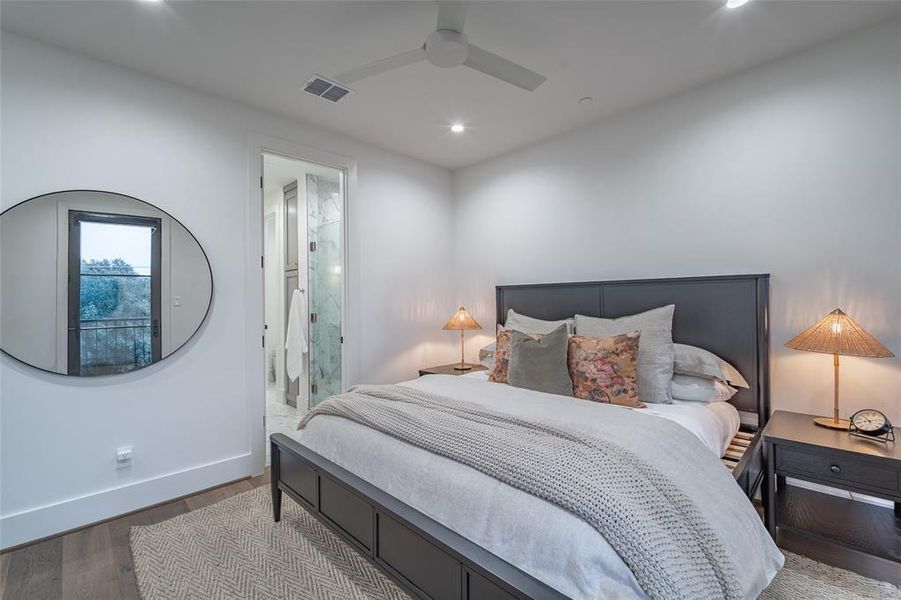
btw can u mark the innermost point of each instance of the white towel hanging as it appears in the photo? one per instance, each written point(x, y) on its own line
point(295, 341)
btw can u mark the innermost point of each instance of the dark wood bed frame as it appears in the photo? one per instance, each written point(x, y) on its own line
point(727, 315)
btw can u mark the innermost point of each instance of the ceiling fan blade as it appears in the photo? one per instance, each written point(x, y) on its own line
point(497, 66)
point(380, 66)
point(451, 15)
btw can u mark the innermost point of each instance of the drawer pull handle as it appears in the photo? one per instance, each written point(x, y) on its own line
point(835, 469)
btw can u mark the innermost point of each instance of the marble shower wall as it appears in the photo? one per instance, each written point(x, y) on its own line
point(324, 206)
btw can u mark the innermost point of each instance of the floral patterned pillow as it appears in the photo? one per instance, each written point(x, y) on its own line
point(604, 369)
point(501, 356)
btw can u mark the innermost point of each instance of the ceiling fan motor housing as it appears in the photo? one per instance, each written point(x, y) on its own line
point(446, 48)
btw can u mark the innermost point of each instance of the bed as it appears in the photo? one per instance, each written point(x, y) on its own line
point(445, 530)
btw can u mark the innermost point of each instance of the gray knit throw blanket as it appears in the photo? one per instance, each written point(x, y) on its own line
point(654, 527)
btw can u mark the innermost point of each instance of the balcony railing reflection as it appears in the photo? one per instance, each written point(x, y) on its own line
point(110, 346)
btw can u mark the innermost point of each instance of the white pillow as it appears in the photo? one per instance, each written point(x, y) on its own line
point(531, 325)
point(655, 347)
point(697, 362)
point(486, 355)
point(700, 389)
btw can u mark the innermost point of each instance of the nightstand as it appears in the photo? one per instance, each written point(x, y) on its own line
point(450, 370)
point(851, 534)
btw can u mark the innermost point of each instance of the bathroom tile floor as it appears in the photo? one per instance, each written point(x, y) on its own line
point(280, 418)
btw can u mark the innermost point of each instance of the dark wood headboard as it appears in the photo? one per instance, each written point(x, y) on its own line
point(727, 315)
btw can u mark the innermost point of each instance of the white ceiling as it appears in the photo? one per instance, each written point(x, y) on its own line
point(621, 53)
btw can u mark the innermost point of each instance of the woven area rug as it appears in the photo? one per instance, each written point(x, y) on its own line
point(233, 550)
point(804, 579)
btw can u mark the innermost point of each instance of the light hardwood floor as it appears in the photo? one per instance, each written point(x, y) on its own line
point(95, 562)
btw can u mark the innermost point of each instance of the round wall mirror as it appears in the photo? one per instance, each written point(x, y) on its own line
point(96, 283)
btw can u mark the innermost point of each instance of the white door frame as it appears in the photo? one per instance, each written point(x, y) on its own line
point(255, 356)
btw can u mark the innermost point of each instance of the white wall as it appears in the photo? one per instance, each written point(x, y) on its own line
point(70, 122)
point(29, 319)
point(791, 168)
point(189, 287)
point(274, 277)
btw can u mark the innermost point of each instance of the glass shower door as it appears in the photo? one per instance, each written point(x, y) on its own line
point(325, 206)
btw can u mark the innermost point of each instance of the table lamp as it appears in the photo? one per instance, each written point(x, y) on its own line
point(837, 334)
point(461, 321)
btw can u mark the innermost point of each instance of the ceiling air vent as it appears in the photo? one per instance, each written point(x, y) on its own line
point(326, 88)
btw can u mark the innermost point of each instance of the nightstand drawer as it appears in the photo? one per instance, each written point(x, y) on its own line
point(837, 468)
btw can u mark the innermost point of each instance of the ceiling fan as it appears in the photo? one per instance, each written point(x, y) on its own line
point(445, 47)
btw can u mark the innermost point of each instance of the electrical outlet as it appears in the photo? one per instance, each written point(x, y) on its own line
point(123, 457)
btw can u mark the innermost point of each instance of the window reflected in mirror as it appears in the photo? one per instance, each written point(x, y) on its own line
point(115, 301)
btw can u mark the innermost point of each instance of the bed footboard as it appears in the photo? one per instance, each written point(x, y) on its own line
point(424, 557)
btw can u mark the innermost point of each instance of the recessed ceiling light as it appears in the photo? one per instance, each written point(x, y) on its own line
point(736, 3)
point(586, 100)
point(457, 128)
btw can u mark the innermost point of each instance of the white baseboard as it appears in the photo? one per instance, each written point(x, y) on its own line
point(43, 521)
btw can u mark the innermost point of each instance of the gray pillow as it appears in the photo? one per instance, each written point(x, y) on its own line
point(655, 347)
point(697, 362)
point(531, 325)
point(540, 365)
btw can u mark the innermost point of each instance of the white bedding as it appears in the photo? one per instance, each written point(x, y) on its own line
point(714, 423)
point(542, 539)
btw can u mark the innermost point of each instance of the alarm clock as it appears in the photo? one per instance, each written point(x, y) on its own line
point(872, 423)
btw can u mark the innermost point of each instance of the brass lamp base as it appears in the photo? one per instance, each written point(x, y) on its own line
point(463, 367)
point(832, 423)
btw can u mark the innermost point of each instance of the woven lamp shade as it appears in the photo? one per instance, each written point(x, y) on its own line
point(462, 321)
point(837, 333)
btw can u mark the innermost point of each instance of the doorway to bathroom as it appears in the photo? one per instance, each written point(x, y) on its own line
point(303, 281)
